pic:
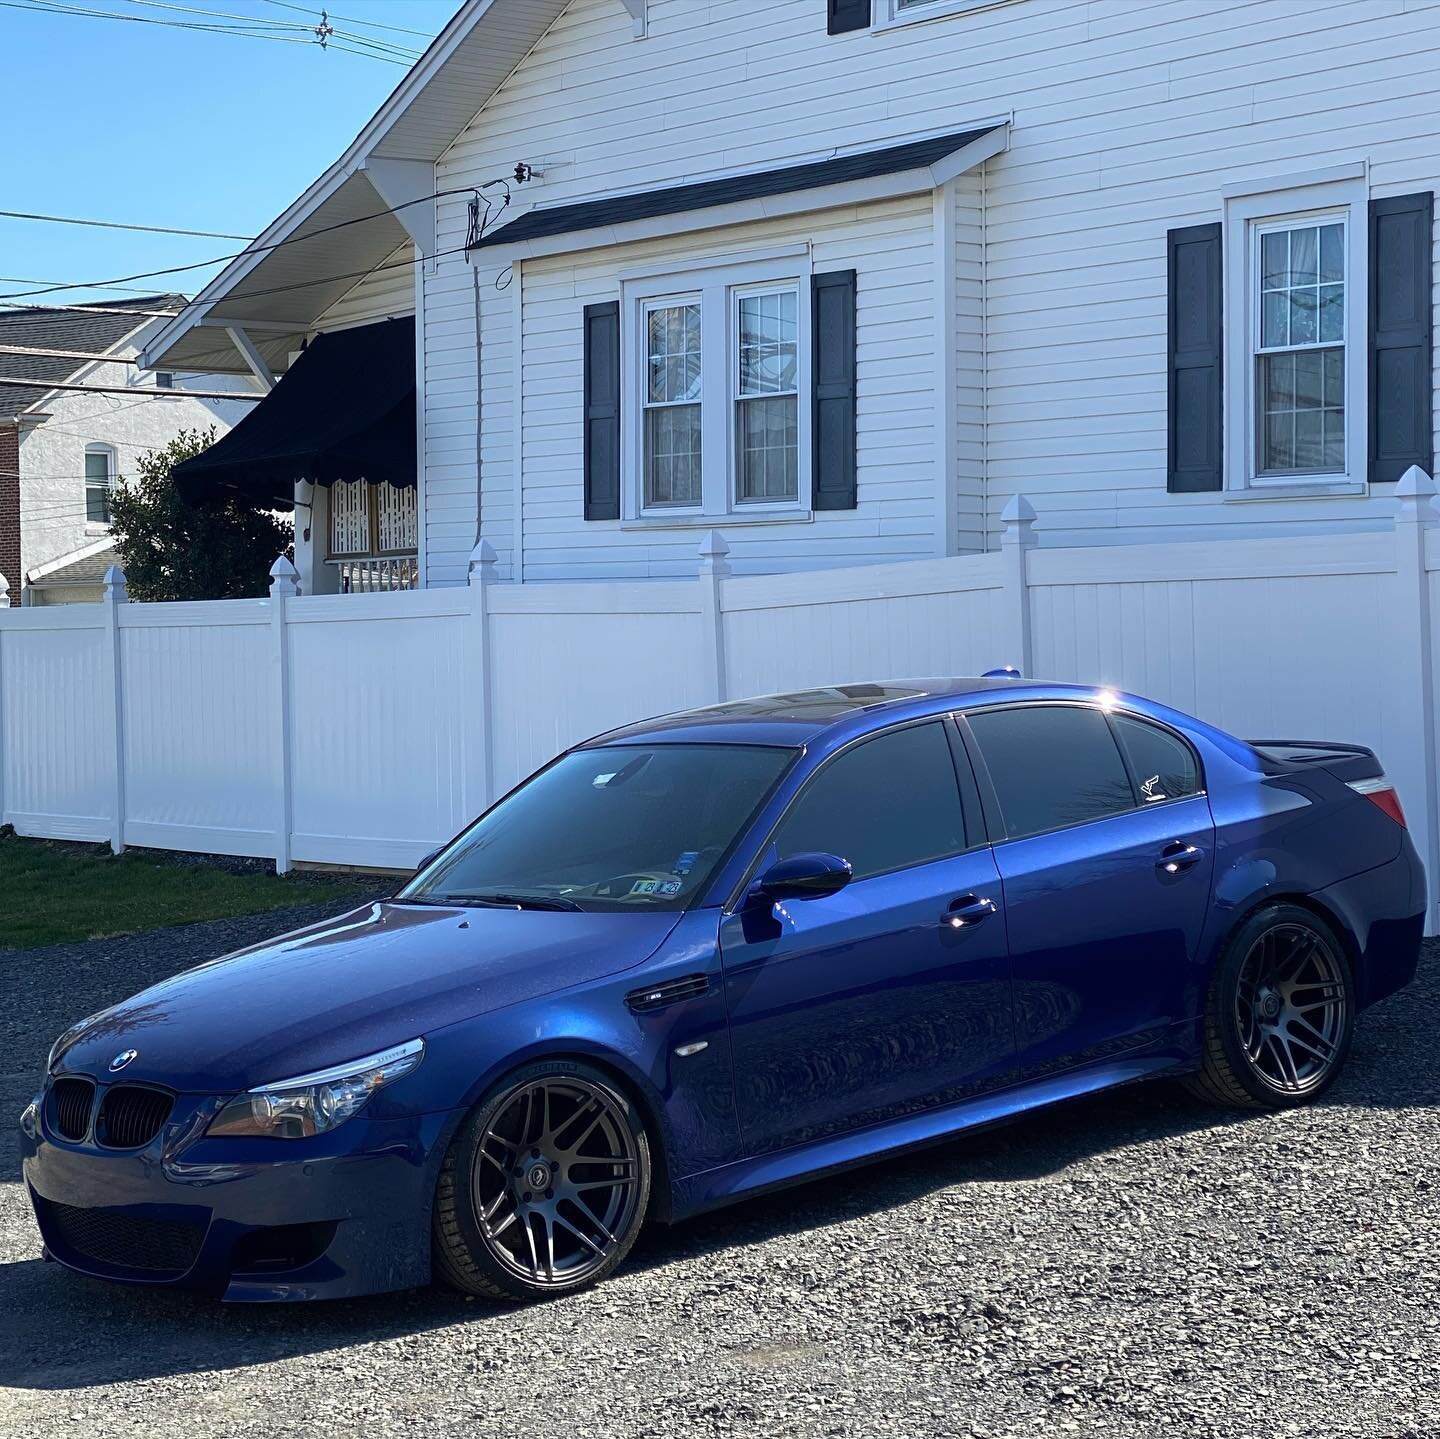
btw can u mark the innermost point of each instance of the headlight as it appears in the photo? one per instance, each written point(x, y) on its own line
point(315, 1103)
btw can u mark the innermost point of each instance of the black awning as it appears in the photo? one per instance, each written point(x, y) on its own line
point(345, 410)
point(756, 184)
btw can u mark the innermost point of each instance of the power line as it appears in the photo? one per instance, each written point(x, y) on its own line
point(346, 20)
point(249, 26)
point(10, 381)
point(54, 7)
point(369, 55)
point(249, 250)
point(98, 308)
point(30, 280)
point(224, 15)
point(119, 225)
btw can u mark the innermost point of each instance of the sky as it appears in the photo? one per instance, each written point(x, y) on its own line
point(154, 125)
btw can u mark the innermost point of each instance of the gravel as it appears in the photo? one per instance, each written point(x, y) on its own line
point(1133, 1264)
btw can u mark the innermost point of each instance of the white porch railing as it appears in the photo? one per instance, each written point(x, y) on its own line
point(366, 574)
point(366, 728)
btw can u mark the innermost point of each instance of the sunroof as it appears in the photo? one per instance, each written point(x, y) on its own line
point(818, 704)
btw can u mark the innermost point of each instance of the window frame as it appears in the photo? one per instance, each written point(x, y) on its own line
point(990, 798)
point(737, 294)
point(108, 453)
point(646, 406)
point(972, 810)
point(892, 13)
point(1249, 215)
point(717, 284)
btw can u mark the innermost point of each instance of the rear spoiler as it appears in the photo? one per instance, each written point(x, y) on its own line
point(1348, 762)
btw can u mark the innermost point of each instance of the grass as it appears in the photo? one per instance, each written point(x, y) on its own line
point(58, 893)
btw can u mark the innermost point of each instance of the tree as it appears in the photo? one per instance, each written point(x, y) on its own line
point(172, 550)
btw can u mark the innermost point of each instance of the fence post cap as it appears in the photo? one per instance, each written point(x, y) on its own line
point(1018, 511)
point(1414, 484)
point(284, 577)
point(714, 553)
point(114, 586)
point(483, 560)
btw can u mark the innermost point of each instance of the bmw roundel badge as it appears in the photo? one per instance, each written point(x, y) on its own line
point(123, 1058)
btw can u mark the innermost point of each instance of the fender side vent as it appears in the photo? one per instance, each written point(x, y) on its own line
point(643, 1001)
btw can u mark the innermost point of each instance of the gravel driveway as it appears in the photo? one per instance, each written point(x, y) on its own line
point(1132, 1264)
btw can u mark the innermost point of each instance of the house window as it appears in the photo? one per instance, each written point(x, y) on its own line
point(1300, 356)
point(767, 405)
point(99, 481)
point(673, 397)
point(899, 12)
point(721, 377)
point(164, 380)
point(1294, 335)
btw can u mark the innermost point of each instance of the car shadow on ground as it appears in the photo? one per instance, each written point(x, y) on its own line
point(60, 1331)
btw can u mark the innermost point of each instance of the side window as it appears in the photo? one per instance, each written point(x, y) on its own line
point(1162, 763)
point(885, 804)
point(1052, 766)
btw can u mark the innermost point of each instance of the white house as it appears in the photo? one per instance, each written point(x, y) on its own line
point(840, 279)
point(76, 413)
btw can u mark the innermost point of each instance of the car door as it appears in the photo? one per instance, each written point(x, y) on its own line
point(892, 995)
point(1104, 844)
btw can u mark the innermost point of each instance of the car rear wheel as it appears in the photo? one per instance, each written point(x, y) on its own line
point(1280, 1013)
point(544, 1189)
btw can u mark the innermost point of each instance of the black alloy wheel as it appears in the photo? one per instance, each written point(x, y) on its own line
point(546, 1186)
point(1280, 1014)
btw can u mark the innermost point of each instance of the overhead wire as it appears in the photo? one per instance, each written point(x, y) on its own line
point(348, 20)
point(248, 250)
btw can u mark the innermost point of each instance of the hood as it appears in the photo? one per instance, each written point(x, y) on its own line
point(348, 987)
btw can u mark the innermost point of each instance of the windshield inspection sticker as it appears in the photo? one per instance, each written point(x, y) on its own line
point(1150, 788)
point(686, 862)
point(656, 886)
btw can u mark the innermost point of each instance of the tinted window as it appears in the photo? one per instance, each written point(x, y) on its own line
point(885, 804)
point(621, 826)
point(1162, 763)
point(1052, 766)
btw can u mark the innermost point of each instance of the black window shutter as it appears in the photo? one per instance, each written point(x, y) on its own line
point(1400, 380)
point(843, 15)
point(602, 411)
point(832, 428)
point(1196, 425)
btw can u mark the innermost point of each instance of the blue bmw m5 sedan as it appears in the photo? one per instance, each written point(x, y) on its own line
point(722, 951)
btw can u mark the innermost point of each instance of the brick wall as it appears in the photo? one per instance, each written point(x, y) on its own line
point(10, 508)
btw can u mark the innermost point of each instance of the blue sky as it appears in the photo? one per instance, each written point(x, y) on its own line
point(154, 125)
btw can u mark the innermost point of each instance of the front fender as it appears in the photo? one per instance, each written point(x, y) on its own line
point(688, 1101)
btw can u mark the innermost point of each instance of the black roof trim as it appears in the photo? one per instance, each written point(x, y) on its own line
point(704, 194)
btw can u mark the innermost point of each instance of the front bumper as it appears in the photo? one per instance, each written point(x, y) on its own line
point(334, 1216)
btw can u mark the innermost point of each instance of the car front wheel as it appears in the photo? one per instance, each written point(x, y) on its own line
point(1280, 1013)
point(545, 1187)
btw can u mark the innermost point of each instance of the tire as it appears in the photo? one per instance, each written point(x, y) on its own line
point(568, 1126)
point(1279, 1015)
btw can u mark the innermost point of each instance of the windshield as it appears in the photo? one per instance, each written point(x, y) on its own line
point(619, 827)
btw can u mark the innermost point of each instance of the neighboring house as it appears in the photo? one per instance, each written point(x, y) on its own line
point(88, 416)
point(840, 280)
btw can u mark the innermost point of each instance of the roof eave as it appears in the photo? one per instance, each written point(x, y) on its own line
point(369, 143)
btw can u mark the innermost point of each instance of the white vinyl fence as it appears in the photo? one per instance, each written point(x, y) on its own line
point(366, 728)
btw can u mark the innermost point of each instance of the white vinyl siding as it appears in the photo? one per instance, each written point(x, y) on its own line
point(1128, 120)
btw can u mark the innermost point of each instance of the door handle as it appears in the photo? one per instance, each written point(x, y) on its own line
point(1178, 856)
point(968, 911)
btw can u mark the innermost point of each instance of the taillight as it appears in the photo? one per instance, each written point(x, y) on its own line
point(1381, 793)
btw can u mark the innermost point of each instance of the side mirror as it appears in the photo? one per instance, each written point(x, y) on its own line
point(804, 876)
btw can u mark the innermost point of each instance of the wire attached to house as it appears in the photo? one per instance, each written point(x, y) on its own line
point(262, 249)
